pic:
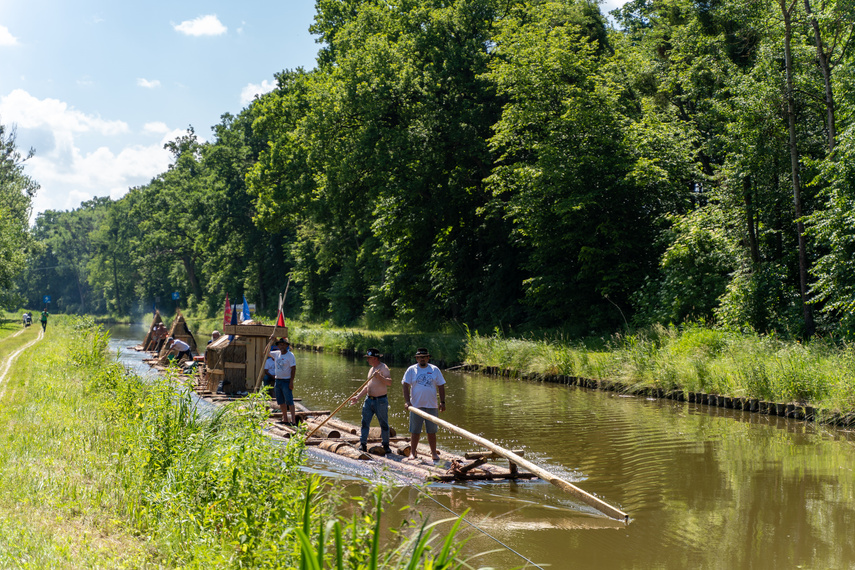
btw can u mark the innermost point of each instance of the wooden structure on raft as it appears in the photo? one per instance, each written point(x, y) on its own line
point(179, 330)
point(147, 343)
point(238, 362)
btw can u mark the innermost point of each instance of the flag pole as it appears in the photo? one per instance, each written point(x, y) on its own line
point(257, 384)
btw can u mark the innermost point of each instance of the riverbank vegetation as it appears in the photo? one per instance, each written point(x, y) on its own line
point(691, 358)
point(104, 469)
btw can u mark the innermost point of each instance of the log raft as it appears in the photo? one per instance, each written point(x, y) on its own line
point(342, 439)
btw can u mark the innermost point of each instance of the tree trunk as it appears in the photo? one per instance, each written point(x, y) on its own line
point(794, 163)
point(190, 268)
point(750, 221)
point(116, 285)
point(825, 66)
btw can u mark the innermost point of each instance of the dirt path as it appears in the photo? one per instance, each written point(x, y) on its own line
point(4, 367)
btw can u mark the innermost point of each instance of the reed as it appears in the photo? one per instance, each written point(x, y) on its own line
point(693, 358)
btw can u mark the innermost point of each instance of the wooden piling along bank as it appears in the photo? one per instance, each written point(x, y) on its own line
point(792, 410)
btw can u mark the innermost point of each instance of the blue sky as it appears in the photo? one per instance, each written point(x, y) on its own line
point(97, 87)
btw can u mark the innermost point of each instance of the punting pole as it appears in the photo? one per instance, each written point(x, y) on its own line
point(586, 498)
point(328, 418)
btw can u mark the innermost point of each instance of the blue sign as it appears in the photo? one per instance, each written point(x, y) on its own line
point(46, 299)
point(176, 296)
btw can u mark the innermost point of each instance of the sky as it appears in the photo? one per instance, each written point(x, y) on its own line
point(97, 87)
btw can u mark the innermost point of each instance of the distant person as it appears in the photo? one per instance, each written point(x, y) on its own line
point(377, 401)
point(283, 388)
point(160, 337)
point(44, 319)
point(422, 382)
point(181, 348)
point(214, 336)
point(269, 379)
point(24, 320)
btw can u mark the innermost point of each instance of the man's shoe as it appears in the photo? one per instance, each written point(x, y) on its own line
point(387, 449)
point(363, 447)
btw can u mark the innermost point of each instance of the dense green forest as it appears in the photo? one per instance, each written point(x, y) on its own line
point(515, 163)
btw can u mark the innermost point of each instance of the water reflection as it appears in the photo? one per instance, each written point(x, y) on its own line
point(710, 488)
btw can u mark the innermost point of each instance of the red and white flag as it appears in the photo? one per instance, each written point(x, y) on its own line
point(227, 316)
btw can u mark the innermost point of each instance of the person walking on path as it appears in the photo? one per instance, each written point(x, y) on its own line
point(286, 368)
point(422, 382)
point(376, 399)
point(44, 318)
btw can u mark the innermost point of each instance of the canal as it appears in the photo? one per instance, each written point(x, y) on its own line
point(704, 487)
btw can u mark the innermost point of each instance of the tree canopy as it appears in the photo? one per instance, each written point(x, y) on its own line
point(505, 164)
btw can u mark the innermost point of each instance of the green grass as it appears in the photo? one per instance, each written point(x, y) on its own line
point(692, 358)
point(103, 469)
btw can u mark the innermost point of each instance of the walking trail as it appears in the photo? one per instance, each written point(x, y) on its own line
point(5, 366)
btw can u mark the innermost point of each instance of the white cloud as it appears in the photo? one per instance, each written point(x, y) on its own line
point(66, 174)
point(249, 92)
point(208, 25)
point(27, 112)
point(6, 37)
point(155, 127)
point(148, 84)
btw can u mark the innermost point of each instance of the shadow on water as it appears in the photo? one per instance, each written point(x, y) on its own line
point(708, 488)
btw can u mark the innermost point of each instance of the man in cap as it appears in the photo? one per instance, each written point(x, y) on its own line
point(376, 401)
point(286, 369)
point(422, 382)
point(181, 348)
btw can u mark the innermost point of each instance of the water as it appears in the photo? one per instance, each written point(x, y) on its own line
point(705, 488)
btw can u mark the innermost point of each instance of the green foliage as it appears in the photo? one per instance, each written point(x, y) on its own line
point(16, 193)
point(692, 357)
point(514, 164)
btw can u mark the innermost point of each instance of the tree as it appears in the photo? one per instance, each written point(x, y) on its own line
point(16, 193)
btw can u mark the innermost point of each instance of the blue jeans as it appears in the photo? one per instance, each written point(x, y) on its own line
point(283, 392)
point(375, 407)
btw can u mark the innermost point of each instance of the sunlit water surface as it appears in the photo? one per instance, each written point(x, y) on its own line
point(705, 488)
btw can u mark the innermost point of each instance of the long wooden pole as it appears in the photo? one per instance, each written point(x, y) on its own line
point(258, 379)
point(329, 417)
point(586, 498)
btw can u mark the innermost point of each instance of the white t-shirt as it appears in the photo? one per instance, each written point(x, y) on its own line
point(284, 362)
point(180, 345)
point(270, 366)
point(423, 384)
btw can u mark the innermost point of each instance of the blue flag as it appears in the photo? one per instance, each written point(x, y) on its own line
point(244, 316)
point(234, 321)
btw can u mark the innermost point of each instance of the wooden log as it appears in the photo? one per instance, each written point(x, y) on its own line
point(583, 496)
point(483, 477)
point(342, 426)
point(473, 465)
point(323, 431)
point(489, 454)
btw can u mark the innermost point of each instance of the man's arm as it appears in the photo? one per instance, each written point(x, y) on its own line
point(406, 396)
point(442, 397)
point(293, 373)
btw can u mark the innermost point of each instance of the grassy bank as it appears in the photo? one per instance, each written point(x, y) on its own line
point(691, 358)
point(103, 469)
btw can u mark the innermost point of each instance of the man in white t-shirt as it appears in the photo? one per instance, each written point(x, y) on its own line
point(180, 347)
point(422, 382)
point(286, 368)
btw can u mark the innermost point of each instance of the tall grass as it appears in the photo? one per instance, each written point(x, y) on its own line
point(691, 357)
point(102, 468)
